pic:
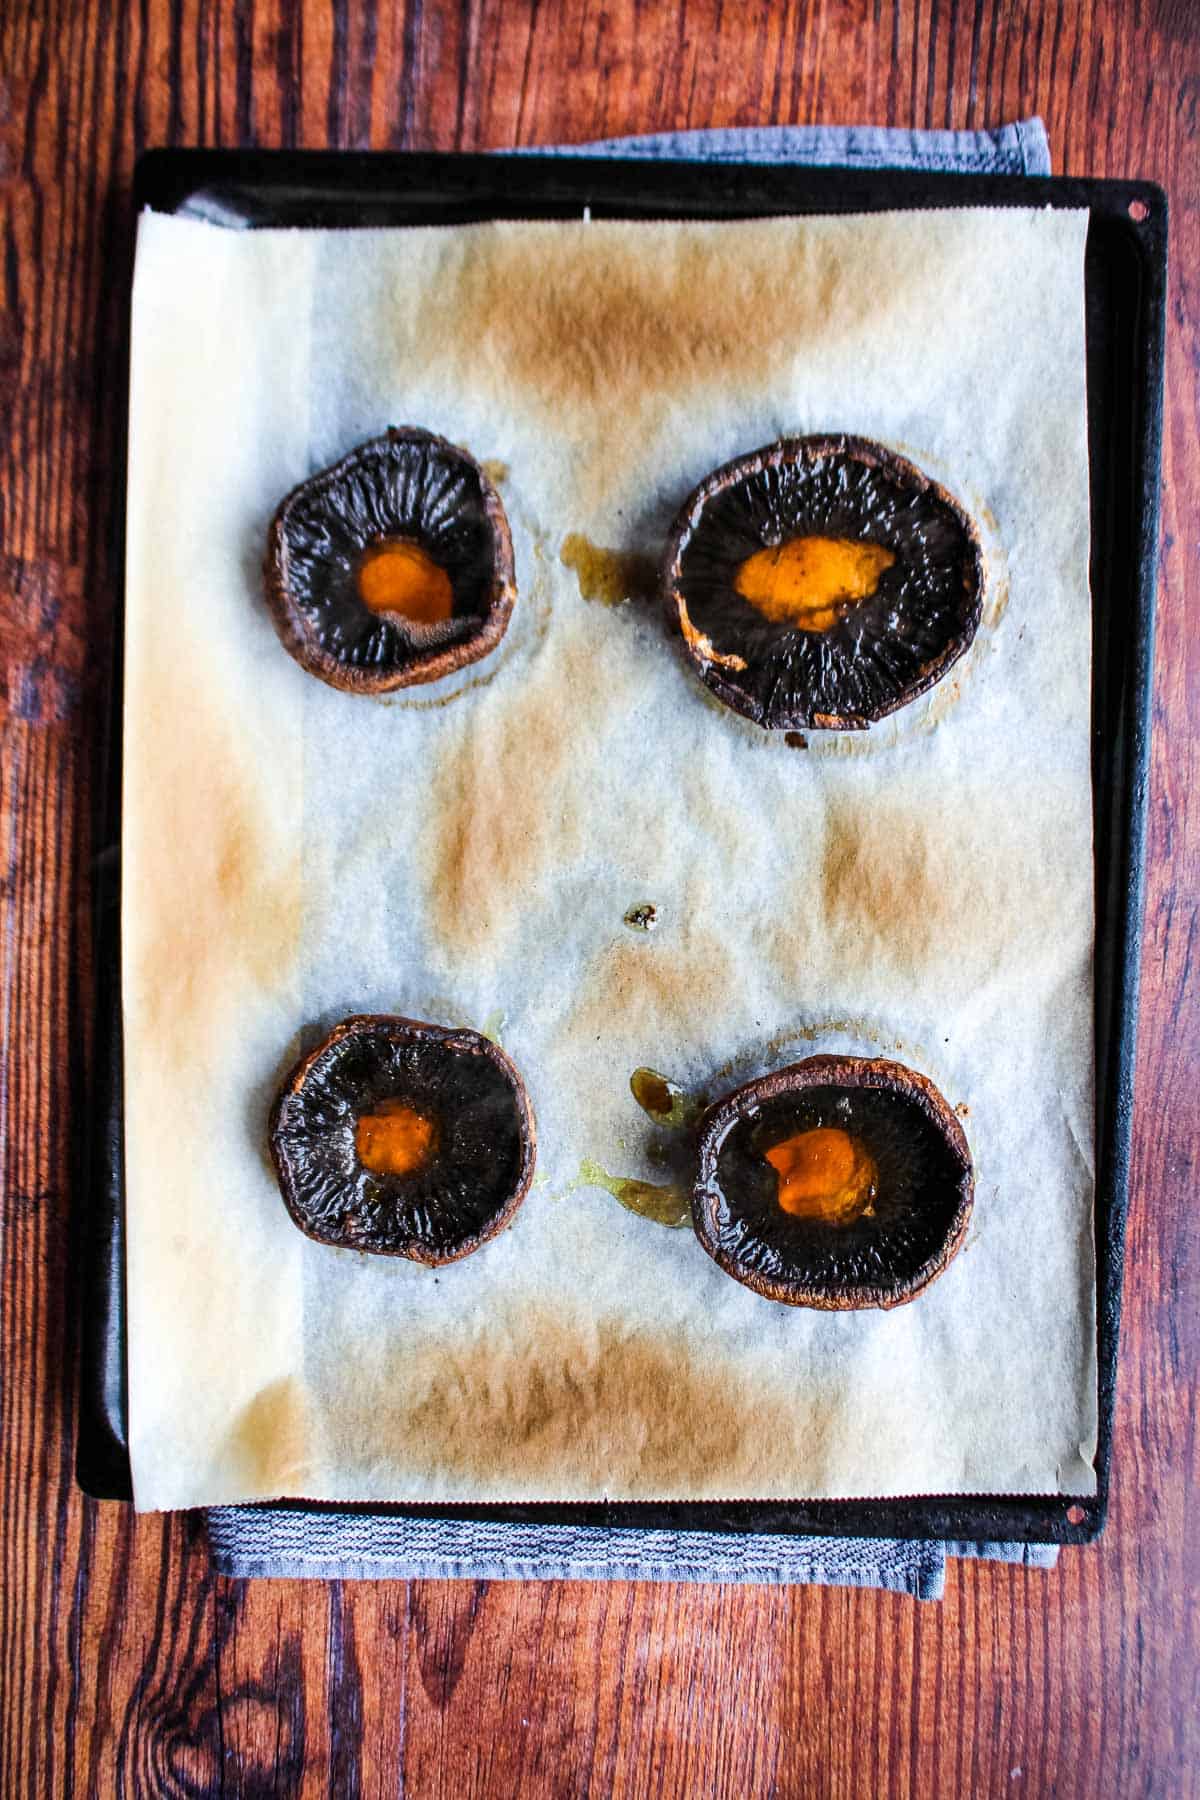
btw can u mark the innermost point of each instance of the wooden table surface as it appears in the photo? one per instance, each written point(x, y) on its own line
point(126, 1668)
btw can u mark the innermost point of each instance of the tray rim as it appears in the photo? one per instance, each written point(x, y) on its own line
point(507, 184)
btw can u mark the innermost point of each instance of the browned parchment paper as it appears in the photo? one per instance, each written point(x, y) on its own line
point(466, 853)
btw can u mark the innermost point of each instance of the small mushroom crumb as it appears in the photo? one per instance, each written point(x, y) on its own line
point(642, 917)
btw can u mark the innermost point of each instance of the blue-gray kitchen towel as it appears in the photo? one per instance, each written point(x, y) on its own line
point(372, 1546)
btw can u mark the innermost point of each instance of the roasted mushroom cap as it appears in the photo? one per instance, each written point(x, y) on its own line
point(838, 1182)
point(393, 567)
point(822, 582)
point(403, 1138)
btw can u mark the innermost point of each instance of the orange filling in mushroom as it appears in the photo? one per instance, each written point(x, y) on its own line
point(395, 1139)
point(824, 1174)
point(810, 582)
point(399, 577)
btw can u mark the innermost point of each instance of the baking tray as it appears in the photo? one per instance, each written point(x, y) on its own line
point(1125, 280)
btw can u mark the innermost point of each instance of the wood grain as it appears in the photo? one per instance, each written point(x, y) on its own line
point(126, 1668)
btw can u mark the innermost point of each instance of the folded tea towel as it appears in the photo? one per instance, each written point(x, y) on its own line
point(1020, 149)
point(328, 1545)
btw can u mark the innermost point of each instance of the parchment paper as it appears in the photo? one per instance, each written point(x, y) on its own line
point(467, 854)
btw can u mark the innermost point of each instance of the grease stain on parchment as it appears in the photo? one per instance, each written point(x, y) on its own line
point(610, 577)
point(495, 835)
point(230, 878)
point(664, 1203)
point(270, 1445)
point(550, 1404)
point(602, 346)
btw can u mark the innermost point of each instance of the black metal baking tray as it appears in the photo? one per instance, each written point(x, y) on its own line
point(1125, 279)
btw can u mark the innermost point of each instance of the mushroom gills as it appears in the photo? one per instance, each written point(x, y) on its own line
point(822, 582)
point(393, 567)
point(836, 1182)
point(404, 1138)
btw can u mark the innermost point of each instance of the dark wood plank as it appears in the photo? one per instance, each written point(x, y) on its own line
point(125, 1667)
